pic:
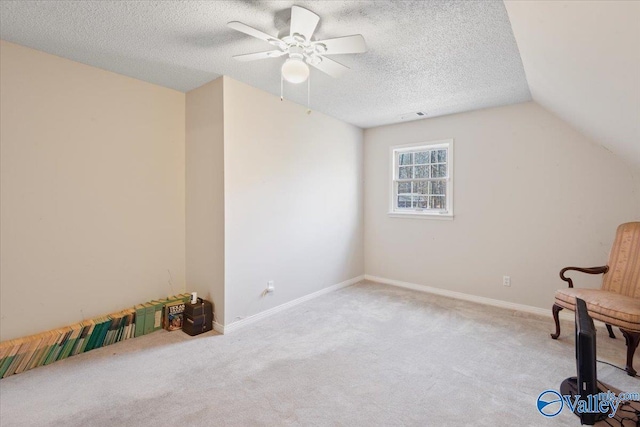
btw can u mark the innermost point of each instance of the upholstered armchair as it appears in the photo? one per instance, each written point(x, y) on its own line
point(617, 302)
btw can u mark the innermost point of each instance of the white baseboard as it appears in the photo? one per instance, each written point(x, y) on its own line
point(565, 315)
point(224, 329)
point(218, 327)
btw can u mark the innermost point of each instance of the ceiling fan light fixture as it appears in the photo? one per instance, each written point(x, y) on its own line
point(294, 70)
point(320, 48)
point(299, 38)
point(313, 60)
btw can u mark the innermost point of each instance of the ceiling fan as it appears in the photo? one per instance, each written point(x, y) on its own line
point(301, 49)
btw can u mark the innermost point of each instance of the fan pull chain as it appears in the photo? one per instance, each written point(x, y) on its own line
point(309, 94)
point(281, 87)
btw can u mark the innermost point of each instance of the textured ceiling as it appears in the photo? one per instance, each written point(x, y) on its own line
point(582, 61)
point(439, 57)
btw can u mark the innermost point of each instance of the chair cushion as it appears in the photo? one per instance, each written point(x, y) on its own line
point(609, 307)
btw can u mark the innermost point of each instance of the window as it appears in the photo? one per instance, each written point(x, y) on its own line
point(422, 182)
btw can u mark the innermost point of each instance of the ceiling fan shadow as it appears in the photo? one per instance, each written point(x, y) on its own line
point(211, 39)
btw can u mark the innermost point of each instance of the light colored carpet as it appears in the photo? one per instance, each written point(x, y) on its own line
point(365, 355)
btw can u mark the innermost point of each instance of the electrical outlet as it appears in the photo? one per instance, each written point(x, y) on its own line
point(270, 286)
point(506, 280)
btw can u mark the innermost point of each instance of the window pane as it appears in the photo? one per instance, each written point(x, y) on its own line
point(421, 187)
point(437, 187)
point(405, 158)
point(404, 201)
point(405, 172)
point(404, 187)
point(442, 156)
point(421, 157)
point(437, 202)
point(422, 180)
point(439, 171)
point(421, 171)
point(420, 202)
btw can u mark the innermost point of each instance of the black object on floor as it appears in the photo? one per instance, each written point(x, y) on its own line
point(198, 317)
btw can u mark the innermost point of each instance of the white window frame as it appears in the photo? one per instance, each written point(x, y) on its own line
point(396, 212)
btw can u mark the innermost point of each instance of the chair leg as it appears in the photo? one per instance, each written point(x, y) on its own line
point(555, 310)
point(632, 339)
point(610, 330)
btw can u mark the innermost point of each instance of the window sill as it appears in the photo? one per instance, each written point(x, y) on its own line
point(436, 216)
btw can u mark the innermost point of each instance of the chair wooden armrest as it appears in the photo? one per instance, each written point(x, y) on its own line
point(589, 270)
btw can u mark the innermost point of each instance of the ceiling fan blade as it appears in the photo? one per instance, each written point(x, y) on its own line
point(331, 67)
point(244, 28)
point(303, 21)
point(347, 44)
point(259, 55)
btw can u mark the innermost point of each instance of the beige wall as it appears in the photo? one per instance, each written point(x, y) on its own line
point(93, 195)
point(293, 201)
point(92, 191)
point(532, 195)
point(205, 193)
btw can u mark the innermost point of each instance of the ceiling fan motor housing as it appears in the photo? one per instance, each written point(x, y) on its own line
point(298, 47)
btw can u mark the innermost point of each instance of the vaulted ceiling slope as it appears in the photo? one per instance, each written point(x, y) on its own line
point(582, 61)
point(438, 57)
